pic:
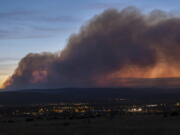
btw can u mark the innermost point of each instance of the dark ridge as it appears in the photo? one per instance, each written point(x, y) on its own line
point(91, 95)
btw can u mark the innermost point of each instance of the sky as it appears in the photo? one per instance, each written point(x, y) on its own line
point(45, 25)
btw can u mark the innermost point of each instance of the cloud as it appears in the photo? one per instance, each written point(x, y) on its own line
point(8, 59)
point(3, 74)
point(101, 5)
point(65, 19)
point(30, 32)
point(36, 16)
point(115, 44)
point(22, 24)
point(7, 68)
point(12, 14)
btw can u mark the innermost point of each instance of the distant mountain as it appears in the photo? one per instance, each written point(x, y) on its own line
point(93, 95)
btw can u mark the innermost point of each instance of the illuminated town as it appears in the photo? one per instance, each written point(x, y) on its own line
point(82, 111)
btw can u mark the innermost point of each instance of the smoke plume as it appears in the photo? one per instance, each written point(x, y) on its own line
point(111, 46)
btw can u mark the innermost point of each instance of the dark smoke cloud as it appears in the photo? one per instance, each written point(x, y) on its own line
point(109, 43)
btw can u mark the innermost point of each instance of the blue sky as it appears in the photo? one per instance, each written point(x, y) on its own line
point(45, 25)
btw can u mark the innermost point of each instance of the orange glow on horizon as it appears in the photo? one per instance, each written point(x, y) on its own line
point(158, 71)
point(2, 81)
point(124, 77)
point(1, 85)
point(128, 75)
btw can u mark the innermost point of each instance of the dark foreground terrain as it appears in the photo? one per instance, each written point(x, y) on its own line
point(92, 111)
point(119, 125)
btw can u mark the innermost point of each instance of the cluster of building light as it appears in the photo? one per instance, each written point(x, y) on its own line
point(178, 104)
point(40, 109)
point(139, 109)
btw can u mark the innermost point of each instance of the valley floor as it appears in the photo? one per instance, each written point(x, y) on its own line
point(119, 125)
